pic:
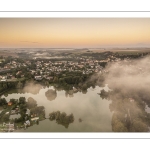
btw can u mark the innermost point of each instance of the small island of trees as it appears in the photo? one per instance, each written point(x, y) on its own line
point(62, 118)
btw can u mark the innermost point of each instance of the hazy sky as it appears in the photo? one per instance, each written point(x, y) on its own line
point(73, 32)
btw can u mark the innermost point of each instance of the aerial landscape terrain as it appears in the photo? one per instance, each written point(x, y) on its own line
point(74, 75)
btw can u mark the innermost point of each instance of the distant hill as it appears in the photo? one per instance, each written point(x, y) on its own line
point(81, 49)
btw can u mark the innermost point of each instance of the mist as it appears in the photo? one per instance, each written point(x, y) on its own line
point(129, 75)
point(31, 87)
point(129, 81)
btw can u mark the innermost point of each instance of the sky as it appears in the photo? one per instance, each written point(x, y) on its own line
point(74, 32)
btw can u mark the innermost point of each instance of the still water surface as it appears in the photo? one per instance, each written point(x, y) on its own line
point(90, 107)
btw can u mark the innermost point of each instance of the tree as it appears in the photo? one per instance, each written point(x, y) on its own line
point(61, 118)
point(19, 85)
point(5, 118)
point(22, 100)
point(119, 127)
point(40, 110)
point(28, 75)
point(104, 94)
point(31, 103)
point(139, 126)
point(14, 101)
point(117, 124)
point(55, 79)
point(3, 101)
point(18, 76)
point(84, 87)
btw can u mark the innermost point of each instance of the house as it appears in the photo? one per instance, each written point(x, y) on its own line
point(10, 103)
point(38, 77)
point(17, 110)
point(27, 112)
point(9, 127)
point(13, 112)
point(80, 66)
point(35, 119)
point(13, 77)
point(50, 78)
point(7, 113)
point(3, 80)
point(27, 122)
point(33, 115)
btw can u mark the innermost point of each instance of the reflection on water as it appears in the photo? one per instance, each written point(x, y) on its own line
point(62, 118)
point(31, 103)
point(88, 107)
point(98, 109)
point(51, 94)
point(130, 113)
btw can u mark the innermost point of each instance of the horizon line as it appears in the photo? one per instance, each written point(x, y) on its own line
point(72, 47)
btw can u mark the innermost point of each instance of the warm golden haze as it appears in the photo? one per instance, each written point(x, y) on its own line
point(74, 32)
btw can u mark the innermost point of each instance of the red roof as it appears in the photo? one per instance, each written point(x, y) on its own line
point(9, 103)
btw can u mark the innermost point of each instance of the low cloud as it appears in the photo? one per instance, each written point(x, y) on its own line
point(130, 82)
point(129, 75)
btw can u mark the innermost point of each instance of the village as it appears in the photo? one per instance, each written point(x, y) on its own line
point(46, 68)
point(12, 68)
point(71, 73)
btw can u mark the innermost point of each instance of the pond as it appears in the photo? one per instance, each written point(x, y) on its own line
point(91, 112)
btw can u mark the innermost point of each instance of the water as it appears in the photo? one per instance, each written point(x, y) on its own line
point(94, 112)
